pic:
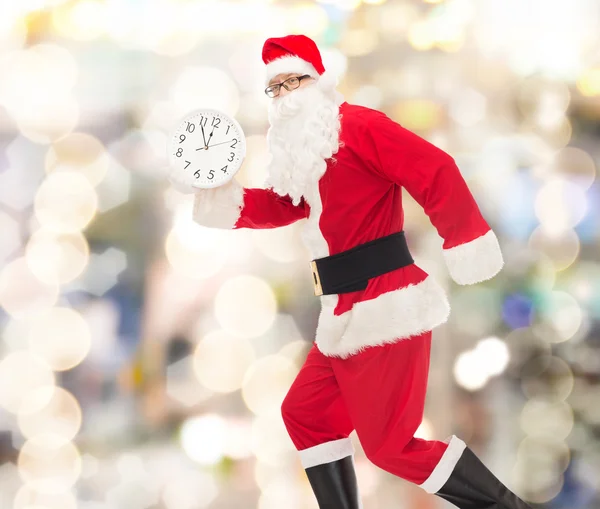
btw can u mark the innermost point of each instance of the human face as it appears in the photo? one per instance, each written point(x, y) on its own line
point(280, 78)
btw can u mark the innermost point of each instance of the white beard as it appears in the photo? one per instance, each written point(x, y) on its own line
point(304, 133)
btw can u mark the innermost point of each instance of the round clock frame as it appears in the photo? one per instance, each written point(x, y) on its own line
point(208, 147)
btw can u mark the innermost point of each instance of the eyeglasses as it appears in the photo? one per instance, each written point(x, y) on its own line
point(289, 84)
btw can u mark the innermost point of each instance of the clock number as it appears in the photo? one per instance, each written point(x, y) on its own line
point(227, 132)
point(224, 169)
point(179, 152)
point(182, 138)
point(203, 120)
point(234, 143)
point(190, 127)
point(211, 174)
point(197, 174)
point(232, 155)
point(218, 121)
point(188, 163)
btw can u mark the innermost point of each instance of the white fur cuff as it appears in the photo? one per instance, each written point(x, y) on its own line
point(475, 261)
point(326, 453)
point(219, 207)
point(441, 472)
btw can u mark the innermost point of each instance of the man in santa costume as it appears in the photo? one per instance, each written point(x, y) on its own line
point(341, 168)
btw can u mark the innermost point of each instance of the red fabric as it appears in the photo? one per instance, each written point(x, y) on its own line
point(263, 208)
point(429, 174)
point(361, 193)
point(297, 45)
point(380, 392)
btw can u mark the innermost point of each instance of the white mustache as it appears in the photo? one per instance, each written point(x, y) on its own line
point(283, 108)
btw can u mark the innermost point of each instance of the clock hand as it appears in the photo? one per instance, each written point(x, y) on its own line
point(211, 133)
point(220, 143)
point(203, 138)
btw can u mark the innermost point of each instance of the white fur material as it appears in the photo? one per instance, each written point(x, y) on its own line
point(441, 473)
point(219, 207)
point(311, 234)
point(317, 246)
point(326, 453)
point(289, 64)
point(390, 317)
point(328, 82)
point(303, 135)
point(475, 261)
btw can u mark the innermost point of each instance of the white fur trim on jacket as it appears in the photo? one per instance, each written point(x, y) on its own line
point(219, 207)
point(289, 64)
point(441, 473)
point(326, 453)
point(388, 318)
point(475, 261)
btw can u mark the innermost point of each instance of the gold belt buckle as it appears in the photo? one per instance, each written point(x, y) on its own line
point(316, 279)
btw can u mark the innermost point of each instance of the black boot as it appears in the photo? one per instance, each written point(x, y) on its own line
point(472, 486)
point(334, 484)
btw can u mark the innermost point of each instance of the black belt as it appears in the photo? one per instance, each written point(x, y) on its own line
point(350, 271)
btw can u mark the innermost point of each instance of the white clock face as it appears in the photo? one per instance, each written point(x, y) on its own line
point(207, 147)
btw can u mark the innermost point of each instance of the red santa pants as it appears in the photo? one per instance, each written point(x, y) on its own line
point(379, 392)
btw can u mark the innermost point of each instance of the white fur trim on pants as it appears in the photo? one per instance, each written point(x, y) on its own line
point(326, 453)
point(394, 315)
point(219, 207)
point(289, 64)
point(475, 261)
point(441, 473)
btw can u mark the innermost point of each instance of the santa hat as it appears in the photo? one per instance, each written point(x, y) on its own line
point(297, 54)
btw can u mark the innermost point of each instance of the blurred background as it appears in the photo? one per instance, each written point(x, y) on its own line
point(143, 358)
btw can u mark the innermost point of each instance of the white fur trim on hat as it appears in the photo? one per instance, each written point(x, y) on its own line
point(289, 64)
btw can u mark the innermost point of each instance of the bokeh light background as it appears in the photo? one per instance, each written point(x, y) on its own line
point(143, 358)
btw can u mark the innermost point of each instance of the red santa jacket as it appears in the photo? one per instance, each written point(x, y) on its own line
point(359, 199)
